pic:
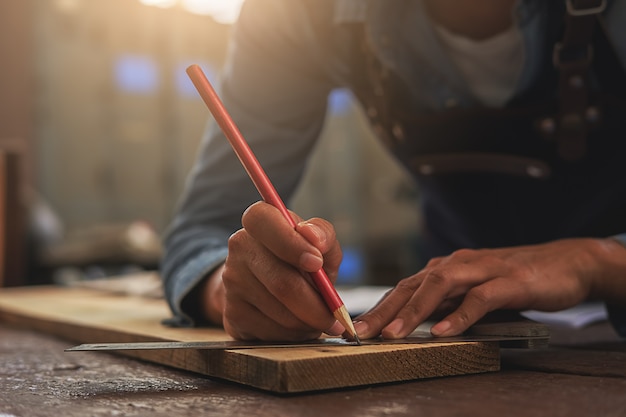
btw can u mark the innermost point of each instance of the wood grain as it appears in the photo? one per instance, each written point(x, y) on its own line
point(89, 316)
point(38, 379)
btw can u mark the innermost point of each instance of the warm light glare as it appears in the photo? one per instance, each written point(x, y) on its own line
point(159, 3)
point(67, 6)
point(223, 11)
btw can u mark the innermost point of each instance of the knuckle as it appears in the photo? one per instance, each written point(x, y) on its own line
point(280, 289)
point(464, 318)
point(237, 240)
point(462, 253)
point(489, 258)
point(439, 277)
point(479, 296)
point(231, 280)
point(406, 287)
point(325, 226)
point(374, 317)
point(411, 310)
point(434, 261)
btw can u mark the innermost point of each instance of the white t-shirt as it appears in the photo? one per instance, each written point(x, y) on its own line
point(491, 67)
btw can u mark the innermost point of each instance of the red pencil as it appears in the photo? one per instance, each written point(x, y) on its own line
point(264, 186)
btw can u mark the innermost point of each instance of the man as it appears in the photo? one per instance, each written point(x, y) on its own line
point(510, 119)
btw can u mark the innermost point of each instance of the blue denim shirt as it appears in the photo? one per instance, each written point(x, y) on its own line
point(275, 85)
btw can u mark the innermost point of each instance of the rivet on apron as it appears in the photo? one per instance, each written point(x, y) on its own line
point(398, 131)
point(426, 169)
point(534, 171)
point(547, 125)
point(592, 114)
point(380, 132)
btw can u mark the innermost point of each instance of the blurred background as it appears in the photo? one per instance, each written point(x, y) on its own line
point(99, 126)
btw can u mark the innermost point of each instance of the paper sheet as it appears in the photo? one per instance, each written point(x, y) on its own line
point(360, 299)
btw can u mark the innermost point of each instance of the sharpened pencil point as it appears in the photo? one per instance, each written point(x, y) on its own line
point(342, 315)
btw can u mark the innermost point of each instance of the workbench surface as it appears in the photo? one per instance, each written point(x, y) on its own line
point(582, 374)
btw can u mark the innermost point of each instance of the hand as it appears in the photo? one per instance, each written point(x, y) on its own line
point(261, 292)
point(471, 283)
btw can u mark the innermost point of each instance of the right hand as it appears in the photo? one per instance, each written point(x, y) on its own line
point(261, 291)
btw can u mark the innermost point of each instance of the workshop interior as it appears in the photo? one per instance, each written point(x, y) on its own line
point(99, 126)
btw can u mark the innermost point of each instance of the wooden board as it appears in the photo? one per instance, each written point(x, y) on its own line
point(90, 316)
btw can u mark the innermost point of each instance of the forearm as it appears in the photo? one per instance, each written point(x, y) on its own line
point(276, 95)
point(190, 256)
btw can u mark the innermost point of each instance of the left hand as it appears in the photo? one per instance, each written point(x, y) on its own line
point(471, 283)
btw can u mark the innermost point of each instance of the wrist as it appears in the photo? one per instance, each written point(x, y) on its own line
point(212, 293)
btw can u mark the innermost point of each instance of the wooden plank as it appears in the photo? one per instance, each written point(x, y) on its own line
point(88, 316)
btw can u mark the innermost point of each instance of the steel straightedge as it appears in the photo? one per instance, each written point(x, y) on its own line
point(535, 341)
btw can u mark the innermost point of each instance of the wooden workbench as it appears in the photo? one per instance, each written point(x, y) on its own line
point(38, 379)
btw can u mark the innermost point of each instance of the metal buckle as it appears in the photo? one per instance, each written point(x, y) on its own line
point(584, 12)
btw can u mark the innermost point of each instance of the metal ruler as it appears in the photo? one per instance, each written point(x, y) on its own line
point(504, 341)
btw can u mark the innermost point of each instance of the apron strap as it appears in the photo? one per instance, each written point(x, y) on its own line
point(572, 57)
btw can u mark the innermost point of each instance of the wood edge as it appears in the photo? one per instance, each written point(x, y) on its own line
point(397, 365)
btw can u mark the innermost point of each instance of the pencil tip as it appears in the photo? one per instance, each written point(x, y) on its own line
point(342, 315)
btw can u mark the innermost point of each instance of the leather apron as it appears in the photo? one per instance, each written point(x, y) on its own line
point(498, 177)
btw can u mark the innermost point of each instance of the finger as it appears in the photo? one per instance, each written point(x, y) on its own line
point(318, 232)
point(441, 283)
point(243, 321)
point(369, 324)
point(417, 308)
point(256, 295)
point(321, 234)
point(266, 224)
point(446, 307)
point(274, 287)
point(495, 294)
point(434, 262)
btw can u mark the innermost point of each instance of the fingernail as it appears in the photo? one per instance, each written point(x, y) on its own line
point(394, 328)
point(440, 328)
point(317, 232)
point(361, 328)
point(335, 330)
point(310, 262)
